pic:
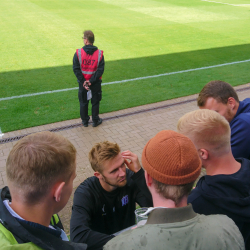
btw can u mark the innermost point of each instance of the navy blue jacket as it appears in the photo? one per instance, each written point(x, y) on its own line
point(240, 131)
point(225, 194)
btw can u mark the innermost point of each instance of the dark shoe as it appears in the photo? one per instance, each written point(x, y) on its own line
point(95, 124)
point(85, 124)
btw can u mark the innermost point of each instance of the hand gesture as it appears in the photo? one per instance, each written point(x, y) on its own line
point(131, 160)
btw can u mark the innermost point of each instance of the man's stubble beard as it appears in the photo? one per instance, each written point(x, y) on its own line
point(229, 115)
point(117, 184)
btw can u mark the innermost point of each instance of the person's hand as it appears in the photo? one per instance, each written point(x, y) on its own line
point(131, 160)
point(86, 84)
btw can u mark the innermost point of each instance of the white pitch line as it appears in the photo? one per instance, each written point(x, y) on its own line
point(238, 5)
point(34, 94)
point(1, 134)
point(128, 80)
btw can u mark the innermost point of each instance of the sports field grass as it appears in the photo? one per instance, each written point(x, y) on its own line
point(139, 38)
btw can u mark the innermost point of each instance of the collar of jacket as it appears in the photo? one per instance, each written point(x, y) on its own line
point(171, 215)
point(24, 233)
point(89, 49)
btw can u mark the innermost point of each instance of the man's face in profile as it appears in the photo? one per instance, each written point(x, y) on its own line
point(221, 108)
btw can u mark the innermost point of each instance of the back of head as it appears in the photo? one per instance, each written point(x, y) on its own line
point(218, 90)
point(101, 152)
point(37, 162)
point(89, 35)
point(207, 129)
point(171, 159)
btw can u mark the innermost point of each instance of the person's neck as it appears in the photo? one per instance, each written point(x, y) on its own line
point(39, 213)
point(159, 201)
point(87, 43)
point(225, 164)
point(236, 107)
point(237, 104)
point(106, 186)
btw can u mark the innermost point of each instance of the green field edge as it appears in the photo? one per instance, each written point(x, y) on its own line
point(111, 108)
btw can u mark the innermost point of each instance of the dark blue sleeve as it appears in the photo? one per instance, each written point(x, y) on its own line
point(203, 205)
point(199, 204)
point(240, 138)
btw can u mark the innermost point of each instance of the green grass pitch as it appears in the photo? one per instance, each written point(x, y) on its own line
point(140, 38)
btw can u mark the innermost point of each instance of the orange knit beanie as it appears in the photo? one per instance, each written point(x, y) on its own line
point(171, 158)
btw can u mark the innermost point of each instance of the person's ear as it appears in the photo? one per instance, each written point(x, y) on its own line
point(231, 103)
point(58, 191)
point(203, 153)
point(148, 179)
point(98, 175)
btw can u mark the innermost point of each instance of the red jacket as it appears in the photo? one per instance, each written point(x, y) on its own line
point(89, 63)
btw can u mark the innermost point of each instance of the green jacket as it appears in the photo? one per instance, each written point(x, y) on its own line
point(182, 229)
point(18, 234)
point(8, 241)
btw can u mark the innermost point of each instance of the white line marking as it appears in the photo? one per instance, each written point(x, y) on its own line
point(1, 134)
point(128, 80)
point(34, 94)
point(239, 5)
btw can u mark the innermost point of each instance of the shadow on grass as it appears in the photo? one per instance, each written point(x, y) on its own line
point(43, 109)
point(51, 78)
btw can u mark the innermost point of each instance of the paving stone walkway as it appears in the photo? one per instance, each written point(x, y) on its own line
point(130, 128)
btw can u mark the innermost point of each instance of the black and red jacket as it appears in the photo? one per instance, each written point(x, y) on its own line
point(92, 64)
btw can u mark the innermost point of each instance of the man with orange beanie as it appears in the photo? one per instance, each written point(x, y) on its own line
point(172, 164)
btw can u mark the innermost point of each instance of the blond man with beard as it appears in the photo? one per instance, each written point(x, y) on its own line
point(105, 203)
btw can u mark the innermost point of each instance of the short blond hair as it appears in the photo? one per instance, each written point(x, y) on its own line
point(102, 152)
point(207, 129)
point(37, 162)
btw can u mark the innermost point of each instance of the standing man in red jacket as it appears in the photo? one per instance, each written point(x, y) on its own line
point(88, 66)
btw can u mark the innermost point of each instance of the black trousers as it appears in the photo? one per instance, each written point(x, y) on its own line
point(95, 101)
